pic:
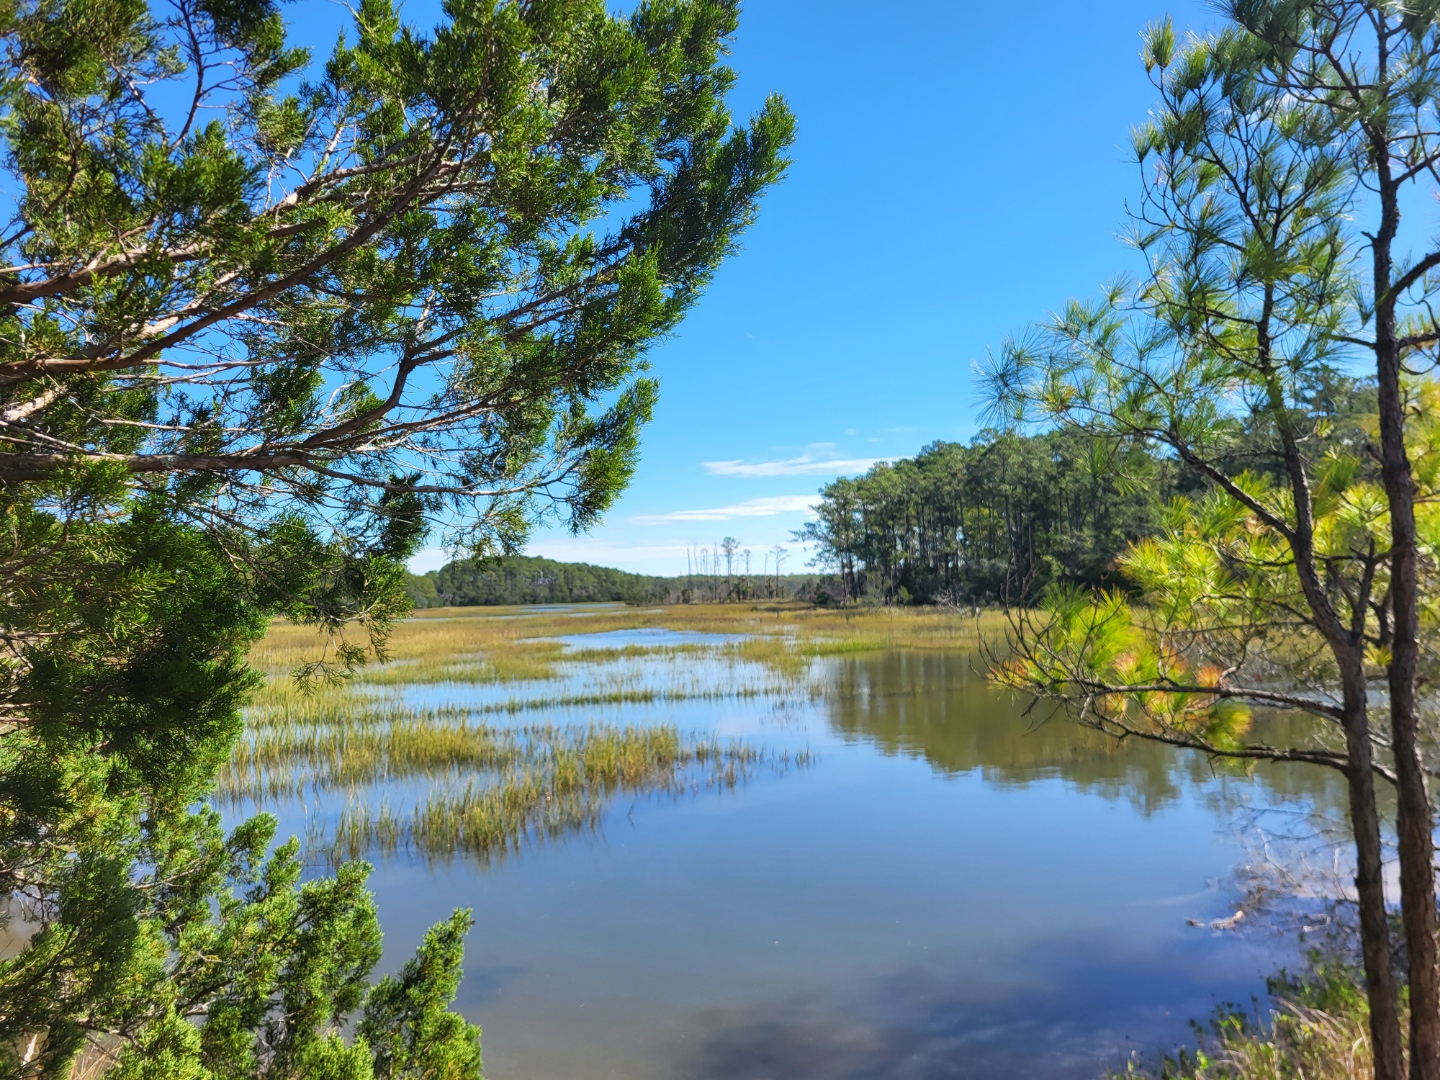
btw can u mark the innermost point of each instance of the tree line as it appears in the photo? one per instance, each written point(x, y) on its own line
point(520, 579)
point(982, 523)
point(1009, 515)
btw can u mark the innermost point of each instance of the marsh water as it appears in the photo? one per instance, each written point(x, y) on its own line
point(944, 888)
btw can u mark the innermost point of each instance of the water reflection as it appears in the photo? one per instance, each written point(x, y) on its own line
point(938, 706)
point(952, 890)
point(914, 1026)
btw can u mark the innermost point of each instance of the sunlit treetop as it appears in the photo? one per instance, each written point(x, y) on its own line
point(1220, 623)
point(1241, 354)
point(425, 269)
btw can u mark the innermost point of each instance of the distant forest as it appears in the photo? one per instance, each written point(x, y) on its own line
point(992, 521)
point(997, 519)
point(1000, 519)
point(519, 579)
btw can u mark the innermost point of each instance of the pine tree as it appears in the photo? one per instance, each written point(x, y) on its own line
point(265, 323)
point(1303, 572)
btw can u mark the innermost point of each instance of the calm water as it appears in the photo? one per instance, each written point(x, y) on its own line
point(947, 890)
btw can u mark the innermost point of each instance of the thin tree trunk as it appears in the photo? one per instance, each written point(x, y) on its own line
point(1347, 648)
point(1414, 822)
point(1370, 895)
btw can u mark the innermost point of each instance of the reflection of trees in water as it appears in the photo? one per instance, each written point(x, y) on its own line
point(938, 706)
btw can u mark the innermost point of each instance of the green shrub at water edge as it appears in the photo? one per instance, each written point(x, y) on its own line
point(1317, 1029)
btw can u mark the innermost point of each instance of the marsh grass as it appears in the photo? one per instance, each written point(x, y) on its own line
point(282, 709)
point(561, 783)
point(612, 654)
point(517, 644)
point(507, 662)
point(487, 789)
point(290, 760)
point(1318, 1029)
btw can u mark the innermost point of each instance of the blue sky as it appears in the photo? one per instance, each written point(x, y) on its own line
point(962, 169)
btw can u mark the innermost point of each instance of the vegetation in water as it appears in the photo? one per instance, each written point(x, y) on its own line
point(485, 789)
point(519, 645)
point(560, 781)
point(1317, 1029)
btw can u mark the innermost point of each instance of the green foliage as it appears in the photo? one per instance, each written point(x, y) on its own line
point(262, 987)
point(426, 270)
point(1304, 570)
point(515, 579)
point(1315, 1031)
point(1272, 572)
point(408, 1025)
point(518, 579)
point(266, 323)
point(1000, 519)
point(146, 934)
point(1221, 590)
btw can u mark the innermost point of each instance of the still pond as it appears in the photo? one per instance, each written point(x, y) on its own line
point(909, 879)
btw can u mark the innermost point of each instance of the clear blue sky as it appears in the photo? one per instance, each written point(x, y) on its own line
point(962, 169)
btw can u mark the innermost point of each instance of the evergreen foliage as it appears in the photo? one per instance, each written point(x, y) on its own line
point(517, 579)
point(999, 519)
point(429, 268)
point(1303, 571)
point(263, 323)
point(152, 941)
point(1011, 514)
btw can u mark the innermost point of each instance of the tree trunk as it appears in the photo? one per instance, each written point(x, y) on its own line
point(1364, 815)
point(1414, 822)
point(1370, 895)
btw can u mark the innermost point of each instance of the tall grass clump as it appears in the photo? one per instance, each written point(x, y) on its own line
point(289, 760)
point(557, 781)
point(1318, 1029)
point(485, 790)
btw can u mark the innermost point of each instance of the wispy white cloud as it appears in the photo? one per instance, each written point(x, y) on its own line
point(804, 465)
point(769, 506)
